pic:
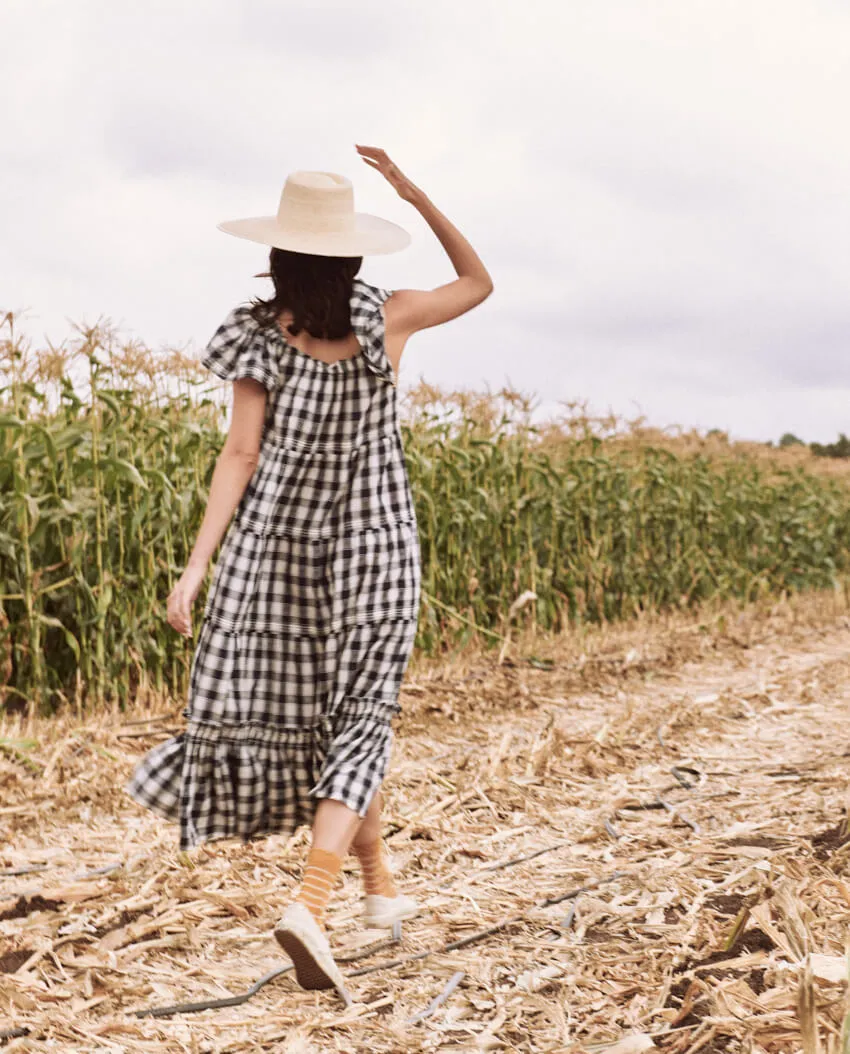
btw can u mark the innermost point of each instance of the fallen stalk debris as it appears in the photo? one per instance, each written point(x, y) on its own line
point(698, 943)
point(435, 1004)
point(392, 964)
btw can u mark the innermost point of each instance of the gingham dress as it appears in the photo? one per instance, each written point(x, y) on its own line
point(312, 609)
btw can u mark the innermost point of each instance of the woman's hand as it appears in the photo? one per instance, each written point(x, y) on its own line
point(378, 159)
point(181, 598)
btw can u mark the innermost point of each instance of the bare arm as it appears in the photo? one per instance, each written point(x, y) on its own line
point(234, 468)
point(409, 310)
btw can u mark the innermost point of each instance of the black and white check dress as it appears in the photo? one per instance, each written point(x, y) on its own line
point(312, 609)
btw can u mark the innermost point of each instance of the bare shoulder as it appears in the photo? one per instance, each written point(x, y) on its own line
point(409, 310)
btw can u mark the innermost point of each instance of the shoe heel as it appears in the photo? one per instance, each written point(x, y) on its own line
point(307, 947)
point(308, 973)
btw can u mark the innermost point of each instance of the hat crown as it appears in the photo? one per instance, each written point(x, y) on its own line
point(316, 202)
point(316, 217)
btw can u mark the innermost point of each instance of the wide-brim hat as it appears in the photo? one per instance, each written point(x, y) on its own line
point(316, 216)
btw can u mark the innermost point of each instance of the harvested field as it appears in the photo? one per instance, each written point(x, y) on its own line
point(639, 835)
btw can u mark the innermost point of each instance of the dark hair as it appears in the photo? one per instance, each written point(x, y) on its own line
point(316, 289)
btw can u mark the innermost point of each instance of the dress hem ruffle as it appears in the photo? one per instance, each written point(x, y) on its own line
point(246, 780)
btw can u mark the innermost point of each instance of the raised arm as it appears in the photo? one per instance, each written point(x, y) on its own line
point(409, 310)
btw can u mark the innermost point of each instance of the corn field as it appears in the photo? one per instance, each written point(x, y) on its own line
point(106, 455)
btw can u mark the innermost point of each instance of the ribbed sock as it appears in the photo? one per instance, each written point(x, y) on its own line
point(377, 877)
point(320, 874)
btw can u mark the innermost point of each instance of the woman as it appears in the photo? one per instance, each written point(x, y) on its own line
point(312, 610)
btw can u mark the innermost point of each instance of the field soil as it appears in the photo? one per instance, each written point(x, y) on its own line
point(639, 834)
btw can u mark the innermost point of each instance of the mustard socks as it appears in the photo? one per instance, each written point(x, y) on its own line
point(320, 874)
point(377, 877)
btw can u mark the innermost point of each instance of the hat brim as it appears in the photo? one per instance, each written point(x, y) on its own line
point(371, 236)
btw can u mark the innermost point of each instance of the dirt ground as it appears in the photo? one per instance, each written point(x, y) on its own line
point(637, 836)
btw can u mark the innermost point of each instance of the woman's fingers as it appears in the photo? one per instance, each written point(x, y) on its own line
point(178, 612)
point(375, 165)
point(375, 157)
point(371, 151)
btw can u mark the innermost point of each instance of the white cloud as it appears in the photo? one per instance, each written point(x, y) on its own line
point(658, 186)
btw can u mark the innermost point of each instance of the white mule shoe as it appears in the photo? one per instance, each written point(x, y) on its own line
point(304, 942)
point(383, 913)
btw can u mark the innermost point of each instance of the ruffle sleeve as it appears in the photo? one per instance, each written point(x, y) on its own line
point(240, 348)
point(367, 320)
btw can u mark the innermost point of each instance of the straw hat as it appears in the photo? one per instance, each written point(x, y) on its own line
point(316, 216)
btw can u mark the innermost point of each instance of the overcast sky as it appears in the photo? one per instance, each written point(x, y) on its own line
point(661, 190)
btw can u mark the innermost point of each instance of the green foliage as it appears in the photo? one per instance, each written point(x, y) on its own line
point(101, 498)
point(840, 448)
point(601, 533)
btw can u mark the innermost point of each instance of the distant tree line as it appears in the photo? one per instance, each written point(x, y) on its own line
point(840, 448)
